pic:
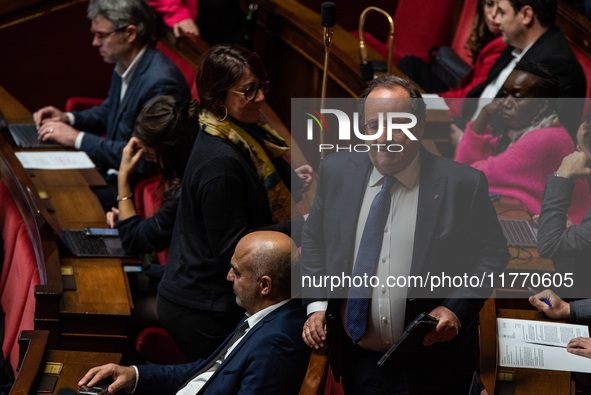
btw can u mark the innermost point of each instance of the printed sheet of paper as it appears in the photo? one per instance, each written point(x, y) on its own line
point(540, 345)
point(55, 160)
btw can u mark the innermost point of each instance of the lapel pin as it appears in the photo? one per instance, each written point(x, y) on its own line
point(436, 196)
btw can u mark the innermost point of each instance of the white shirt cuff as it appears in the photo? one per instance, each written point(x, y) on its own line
point(71, 118)
point(316, 306)
point(78, 142)
point(137, 379)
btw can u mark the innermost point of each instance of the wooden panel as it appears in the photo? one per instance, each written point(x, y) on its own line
point(36, 354)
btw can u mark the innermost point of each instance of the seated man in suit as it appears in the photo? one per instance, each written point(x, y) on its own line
point(122, 32)
point(270, 358)
point(529, 31)
point(394, 215)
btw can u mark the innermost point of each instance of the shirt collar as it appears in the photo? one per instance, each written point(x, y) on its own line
point(259, 315)
point(519, 55)
point(409, 177)
point(126, 74)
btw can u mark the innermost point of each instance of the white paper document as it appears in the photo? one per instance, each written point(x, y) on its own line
point(540, 345)
point(55, 160)
point(435, 102)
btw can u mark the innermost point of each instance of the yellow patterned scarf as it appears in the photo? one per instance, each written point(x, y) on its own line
point(274, 147)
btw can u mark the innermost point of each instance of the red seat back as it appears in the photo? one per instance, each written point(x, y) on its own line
point(586, 64)
point(463, 30)
point(19, 276)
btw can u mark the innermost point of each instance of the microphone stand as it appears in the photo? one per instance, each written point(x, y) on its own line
point(328, 21)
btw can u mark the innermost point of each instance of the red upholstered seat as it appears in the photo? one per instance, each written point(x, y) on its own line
point(19, 276)
point(586, 64)
point(185, 68)
point(418, 27)
point(156, 345)
point(77, 103)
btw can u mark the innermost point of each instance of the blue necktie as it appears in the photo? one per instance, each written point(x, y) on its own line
point(367, 260)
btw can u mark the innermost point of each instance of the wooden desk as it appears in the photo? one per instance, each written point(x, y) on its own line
point(35, 354)
point(95, 316)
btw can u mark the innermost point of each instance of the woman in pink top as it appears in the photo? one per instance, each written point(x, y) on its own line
point(219, 21)
point(530, 145)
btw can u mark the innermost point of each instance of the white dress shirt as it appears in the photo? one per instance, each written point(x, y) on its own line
point(491, 90)
point(388, 305)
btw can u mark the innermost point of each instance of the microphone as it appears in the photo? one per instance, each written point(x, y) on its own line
point(328, 14)
point(328, 17)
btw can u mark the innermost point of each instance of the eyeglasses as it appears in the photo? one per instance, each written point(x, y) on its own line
point(252, 91)
point(104, 35)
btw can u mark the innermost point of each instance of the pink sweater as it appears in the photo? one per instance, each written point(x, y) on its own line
point(174, 11)
point(520, 171)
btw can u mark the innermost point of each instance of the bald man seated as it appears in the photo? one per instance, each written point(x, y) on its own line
point(264, 355)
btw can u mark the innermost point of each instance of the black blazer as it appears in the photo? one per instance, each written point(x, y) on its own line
point(553, 52)
point(155, 75)
point(456, 231)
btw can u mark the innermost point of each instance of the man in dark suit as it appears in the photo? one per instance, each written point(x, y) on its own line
point(440, 219)
point(270, 358)
point(529, 31)
point(122, 33)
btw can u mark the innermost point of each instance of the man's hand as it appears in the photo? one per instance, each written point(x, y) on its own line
point(58, 132)
point(314, 333)
point(123, 377)
point(305, 173)
point(580, 346)
point(49, 113)
point(560, 310)
point(575, 165)
point(185, 27)
point(447, 328)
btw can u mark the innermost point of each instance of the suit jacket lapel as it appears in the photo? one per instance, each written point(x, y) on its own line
point(132, 87)
point(431, 195)
point(292, 304)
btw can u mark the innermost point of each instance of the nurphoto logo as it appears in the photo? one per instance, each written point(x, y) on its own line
point(392, 123)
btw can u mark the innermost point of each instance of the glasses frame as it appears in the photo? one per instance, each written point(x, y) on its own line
point(104, 35)
point(259, 86)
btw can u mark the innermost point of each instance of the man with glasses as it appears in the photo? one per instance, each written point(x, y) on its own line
point(122, 32)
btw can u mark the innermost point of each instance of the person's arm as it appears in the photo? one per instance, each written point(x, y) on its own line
point(474, 147)
point(555, 240)
point(177, 15)
point(164, 379)
point(313, 263)
point(151, 234)
point(124, 377)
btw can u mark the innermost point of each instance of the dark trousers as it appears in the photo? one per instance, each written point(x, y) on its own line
point(198, 333)
point(361, 375)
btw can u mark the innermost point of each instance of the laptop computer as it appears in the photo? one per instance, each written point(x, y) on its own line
point(25, 135)
point(82, 245)
point(519, 232)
